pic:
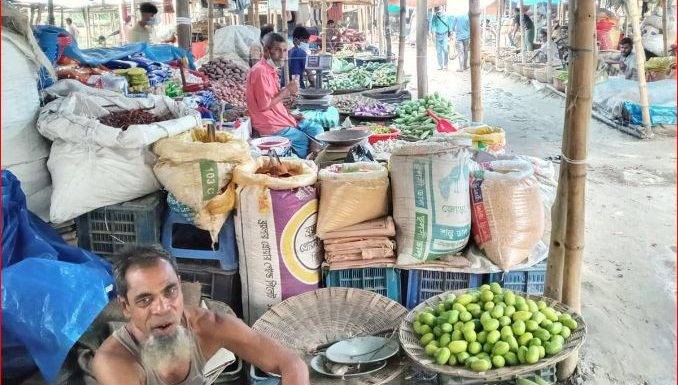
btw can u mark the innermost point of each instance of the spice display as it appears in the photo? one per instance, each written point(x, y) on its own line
point(124, 119)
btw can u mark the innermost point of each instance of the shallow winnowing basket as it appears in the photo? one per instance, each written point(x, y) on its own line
point(321, 317)
point(410, 343)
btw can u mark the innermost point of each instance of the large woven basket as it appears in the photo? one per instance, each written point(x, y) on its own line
point(518, 68)
point(410, 343)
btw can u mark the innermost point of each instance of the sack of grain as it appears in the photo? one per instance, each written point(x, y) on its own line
point(275, 222)
point(198, 173)
point(486, 138)
point(351, 193)
point(431, 206)
point(507, 211)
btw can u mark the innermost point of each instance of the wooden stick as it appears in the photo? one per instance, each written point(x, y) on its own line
point(499, 25)
point(380, 20)
point(401, 42)
point(523, 37)
point(283, 14)
point(549, 43)
point(387, 31)
point(476, 97)
point(323, 7)
point(422, 80)
point(632, 11)
point(665, 25)
point(257, 20)
point(210, 29)
point(577, 119)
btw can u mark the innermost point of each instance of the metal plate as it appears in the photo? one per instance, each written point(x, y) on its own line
point(343, 137)
point(318, 364)
point(363, 350)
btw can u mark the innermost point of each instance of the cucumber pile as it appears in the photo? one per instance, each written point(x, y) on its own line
point(413, 120)
point(491, 328)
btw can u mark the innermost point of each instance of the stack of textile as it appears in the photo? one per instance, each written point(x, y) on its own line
point(367, 244)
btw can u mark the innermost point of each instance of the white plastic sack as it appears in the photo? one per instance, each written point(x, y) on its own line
point(36, 185)
point(21, 142)
point(431, 205)
point(233, 42)
point(93, 165)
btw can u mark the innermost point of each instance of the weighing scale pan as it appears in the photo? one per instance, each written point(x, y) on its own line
point(343, 137)
point(314, 93)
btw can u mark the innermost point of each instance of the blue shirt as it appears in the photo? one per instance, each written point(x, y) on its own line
point(440, 24)
point(297, 58)
point(462, 27)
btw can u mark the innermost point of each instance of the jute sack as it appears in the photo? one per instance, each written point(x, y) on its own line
point(431, 207)
point(351, 193)
point(279, 254)
point(507, 211)
point(198, 174)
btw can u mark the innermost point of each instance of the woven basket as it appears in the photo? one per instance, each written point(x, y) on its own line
point(508, 66)
point(321, 317)
point(559, 85)
point(518, 68)
point(410, 342)
point(540, 75)
point(528, 72)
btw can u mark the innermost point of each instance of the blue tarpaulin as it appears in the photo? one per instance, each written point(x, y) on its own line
point(658, 114)
point(51, 292)
point(157, 52)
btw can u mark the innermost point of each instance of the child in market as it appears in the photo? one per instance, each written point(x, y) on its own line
point(297, 56)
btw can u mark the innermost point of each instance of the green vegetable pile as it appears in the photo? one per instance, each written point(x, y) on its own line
point(491, 328)
point(561, 75)
point(356, 79)
point(414, 121)
point(378, 128)
point(341, 66)
point(384, 76)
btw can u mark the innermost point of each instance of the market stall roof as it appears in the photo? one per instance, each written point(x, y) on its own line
point(73, 3)
point(345, 2)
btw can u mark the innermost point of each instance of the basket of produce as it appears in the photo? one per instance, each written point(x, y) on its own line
point(540, 75)
point(490, 333)
point(518, 68)
point(508, 66)
point(227, 80)
point(415, 123)
point(560, 80)
point(528, 71)
point(374, 110)
point(379, 132)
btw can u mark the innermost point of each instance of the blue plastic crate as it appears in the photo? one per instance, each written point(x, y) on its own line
point(424, 284)
point(381, 280)
point(138, 222)
point(530, 280)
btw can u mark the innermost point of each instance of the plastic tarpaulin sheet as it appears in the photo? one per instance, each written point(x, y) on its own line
point(619, 96)
point(157, 52)
point(658, 114)
point(51, 292)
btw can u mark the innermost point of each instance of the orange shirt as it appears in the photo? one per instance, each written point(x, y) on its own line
point(263, 84)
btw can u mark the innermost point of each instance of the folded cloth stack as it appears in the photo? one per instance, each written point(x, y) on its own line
point(367, 244)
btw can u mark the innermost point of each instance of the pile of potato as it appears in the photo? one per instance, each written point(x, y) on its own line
point(227, 80)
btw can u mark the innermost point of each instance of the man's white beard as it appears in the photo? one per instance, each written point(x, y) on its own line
point(160, 353)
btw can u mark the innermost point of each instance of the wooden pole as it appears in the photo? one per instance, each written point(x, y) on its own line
point(283, 14)
point(323, 15)
point(665, 25)
point(476, 97)
point(85, 14)
point(577, 119)
point(62, 17)
point(523, 37)
point(257, 21)
point(387, 30)
point(50, 12)
point(210, 29)
point(549, 43)
point(632, 11)
point(380, 26)
point(184, 24)
point(401, 42)
point(422, 80)
point(499, 25)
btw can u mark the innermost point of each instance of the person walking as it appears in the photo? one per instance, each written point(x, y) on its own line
point(462, 34)
point(440, 27)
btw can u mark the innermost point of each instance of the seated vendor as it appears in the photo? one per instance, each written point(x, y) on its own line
point(626, 59)
point(540, 55)
point(297, 56)
point(265, 99)
point(167, 343)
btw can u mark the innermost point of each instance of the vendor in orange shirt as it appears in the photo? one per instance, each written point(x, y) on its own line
point(265, 98)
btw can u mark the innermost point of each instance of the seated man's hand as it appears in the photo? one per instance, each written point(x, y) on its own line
point(292, 88)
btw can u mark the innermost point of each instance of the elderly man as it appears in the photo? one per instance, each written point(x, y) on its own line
point(166, 343)
point(265, 99)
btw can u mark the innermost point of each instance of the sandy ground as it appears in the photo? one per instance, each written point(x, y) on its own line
point(629, 274)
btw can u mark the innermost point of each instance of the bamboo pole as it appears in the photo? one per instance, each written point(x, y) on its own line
point(401, 42)
point(323, 15)
point(283, 20)
point(476, 97)
point(632, 11)
point(210, 29)
point(88, 33)
point(665, 25)
point(499, 25)
point(184, 24)
point(577, 120)
point(257, 20)
point(50, 12)
point(387, 30)
point(523, 38)
point(380, 27)
point(422, 80)
point(549, 43)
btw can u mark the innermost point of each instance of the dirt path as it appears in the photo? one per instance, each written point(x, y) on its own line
point(629, 292)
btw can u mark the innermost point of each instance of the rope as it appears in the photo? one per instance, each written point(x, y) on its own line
point(573, 161)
